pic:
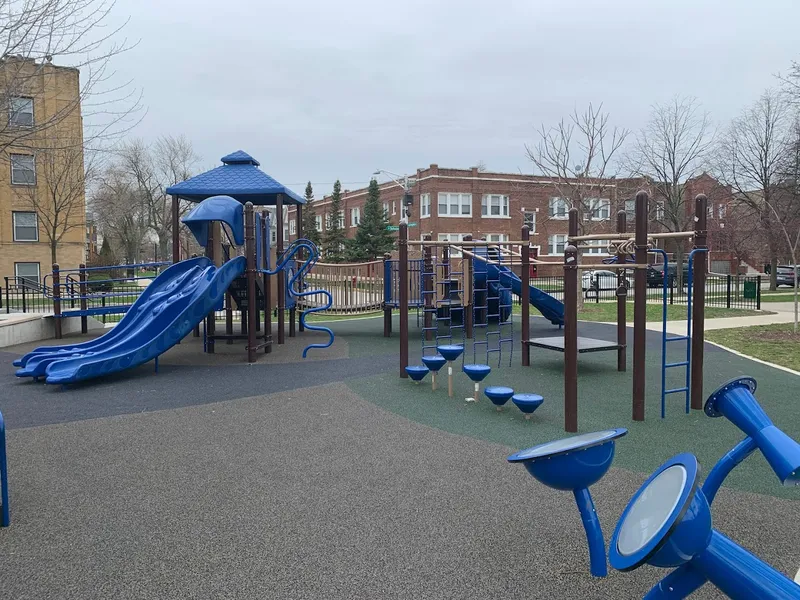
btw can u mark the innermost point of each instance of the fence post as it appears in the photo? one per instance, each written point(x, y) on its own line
point(387, 295)
point(24, 303)
point(8, 308)
point(402, 244)
point(82, 289)
point(699, 302)
point(56, 302)
point(525, 305)
point(728, 291)
point(758, 293)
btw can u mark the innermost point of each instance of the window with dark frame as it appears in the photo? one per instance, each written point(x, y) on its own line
point(28, 272)
point(26, 226)
point(20, 112)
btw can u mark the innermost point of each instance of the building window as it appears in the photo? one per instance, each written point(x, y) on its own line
point(529, 219)
point(455, 205)
point(659, 211)
point(273, 235)
point(425, 205)
point(355, 216)
point(318, 222)
point(494, 206)
point(28, 271)
point(721, 211)
point(497, 237)
point(453, 238)
point(328, 221)
point(597, 209)
point(26, 228)
point(556, 243)
point(599, 247)
point(20, 112)
point(394, 207)
point(559, 208)
point(23, 169)
point(341, 221)
point(385, 209)
point(710, 211)
point(292, 227)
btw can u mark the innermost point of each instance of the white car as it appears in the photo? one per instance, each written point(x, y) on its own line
point(601, 280)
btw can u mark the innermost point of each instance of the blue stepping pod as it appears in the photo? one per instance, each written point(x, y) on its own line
point(417, 372)
point(477, 372)
point(450, 352)
point(435, 362)
point(527, 403)
point(499, 395)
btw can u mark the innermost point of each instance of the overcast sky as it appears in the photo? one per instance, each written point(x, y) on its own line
point(322, 90)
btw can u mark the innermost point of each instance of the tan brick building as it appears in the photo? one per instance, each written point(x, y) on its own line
point(450, 203)
point(42, 137)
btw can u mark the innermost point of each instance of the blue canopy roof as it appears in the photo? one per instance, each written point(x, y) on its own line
point(239, 177)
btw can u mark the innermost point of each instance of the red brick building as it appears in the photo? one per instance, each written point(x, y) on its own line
point(450, 203)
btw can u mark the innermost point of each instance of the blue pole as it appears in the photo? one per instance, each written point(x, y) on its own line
point(725, 465)
point(594, 533)
point(5, 518)
point(682, 582)
point(740, 574)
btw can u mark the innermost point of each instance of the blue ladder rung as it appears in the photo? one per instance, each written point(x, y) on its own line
point(685, 363)
point(677, 338)
point(677, 390)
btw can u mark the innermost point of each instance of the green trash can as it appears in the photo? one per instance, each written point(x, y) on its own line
point(750, 290)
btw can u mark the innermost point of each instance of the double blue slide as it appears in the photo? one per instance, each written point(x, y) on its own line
point(168, 309)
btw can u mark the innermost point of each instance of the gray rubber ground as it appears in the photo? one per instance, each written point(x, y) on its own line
point(314, 493)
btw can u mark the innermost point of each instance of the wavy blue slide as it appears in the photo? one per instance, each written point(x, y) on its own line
point(163, 315)
point(551, 309)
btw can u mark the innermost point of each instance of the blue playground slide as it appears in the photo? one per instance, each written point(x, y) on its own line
point(165, 313)
point(551, 309)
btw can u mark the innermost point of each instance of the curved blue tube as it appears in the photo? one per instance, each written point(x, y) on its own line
point(313, 256)
point(725, 465)
point(681, 583)
point(594, 533)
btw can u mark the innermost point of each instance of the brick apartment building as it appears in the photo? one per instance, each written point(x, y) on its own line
point(50, 94)
point(450, 203)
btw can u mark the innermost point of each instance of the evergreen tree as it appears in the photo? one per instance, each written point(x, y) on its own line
point(373, 238)
point(334, 239)
point(310, 217)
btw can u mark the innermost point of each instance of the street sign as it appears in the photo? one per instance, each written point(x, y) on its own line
point(397, 227)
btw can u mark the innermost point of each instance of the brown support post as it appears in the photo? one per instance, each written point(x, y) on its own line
point(640, 307)
point(250, 255)
point(402, 244)
point(176, 231)
point(281, 273)
point(571, 328)
point(525, 276)
point(292, 320)
point(56, 302)
point(699, 263)
point(264, 241)
point(428, 278)
point(211, 319)
point(387, 283)
point(467, 268)
point(622, 298)
point(300, 326)
point(82, 289)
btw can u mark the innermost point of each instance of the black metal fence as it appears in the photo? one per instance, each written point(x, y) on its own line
point(724, 291)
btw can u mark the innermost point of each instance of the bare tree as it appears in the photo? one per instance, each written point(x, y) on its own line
point(76, 33)
point(58, 197)
point(579, 158)
point(752, 156)
point(672, 148)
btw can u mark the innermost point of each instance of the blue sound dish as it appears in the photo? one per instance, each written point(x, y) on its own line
point(735, 401)
point(5, 513)
point(450, 352)
point(435, 362)
point(527, 403)
point(575, 463)
point(668, 523)
point(477, 373)
point(417, 372)
point(498, 394)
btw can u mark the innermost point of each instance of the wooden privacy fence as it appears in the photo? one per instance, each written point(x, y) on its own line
point(355, 287)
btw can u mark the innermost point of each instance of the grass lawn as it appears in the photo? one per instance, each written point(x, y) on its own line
point(607, 311)
point(773, 343)
point(777, 296)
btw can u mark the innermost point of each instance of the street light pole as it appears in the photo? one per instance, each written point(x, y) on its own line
point(405, 184)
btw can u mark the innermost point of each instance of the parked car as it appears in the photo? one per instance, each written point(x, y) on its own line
point(601, 280)
point(785, 274)
point(655, 276)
